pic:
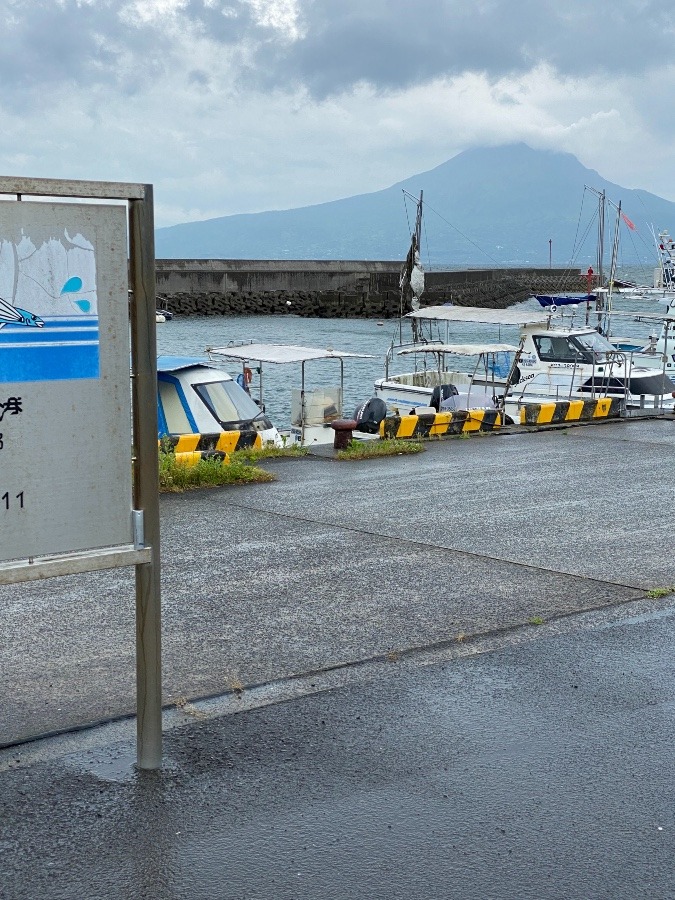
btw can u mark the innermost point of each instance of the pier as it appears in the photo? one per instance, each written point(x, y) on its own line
point(339, 289)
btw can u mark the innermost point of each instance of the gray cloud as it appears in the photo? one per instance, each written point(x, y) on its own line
point(395, 44)
point(46, 44)
point(390, 44)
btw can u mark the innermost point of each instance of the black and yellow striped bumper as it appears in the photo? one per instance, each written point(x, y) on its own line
point(191, 448)
point(560, 411)
point(462, 421)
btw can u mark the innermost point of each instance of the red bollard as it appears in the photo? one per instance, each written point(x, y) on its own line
point(343, 432)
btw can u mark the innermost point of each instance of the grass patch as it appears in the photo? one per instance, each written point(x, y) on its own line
point(386, 447)
point(176, 477)
point(255, 455)
point(535, 620)
point(657, 593)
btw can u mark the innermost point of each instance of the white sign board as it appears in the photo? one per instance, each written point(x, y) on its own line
point(65, 406)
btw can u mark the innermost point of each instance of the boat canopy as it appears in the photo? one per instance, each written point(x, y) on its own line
point(461, 349)
point(483, 316)
point(282, 353)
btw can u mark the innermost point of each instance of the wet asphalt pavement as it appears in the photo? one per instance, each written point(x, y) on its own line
point(411, 734)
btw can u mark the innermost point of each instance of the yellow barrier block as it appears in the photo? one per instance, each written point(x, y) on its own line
point(407, 427)
point(546, 413)
point(441, 423)
point(474, 420)
point(187, 443)
point(192, 458)
point(575, 411)
point(602, 407)
point(188, 458)
point(227, 442)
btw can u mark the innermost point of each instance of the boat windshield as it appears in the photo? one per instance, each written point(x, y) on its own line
point(595, 346)
point(227, 401)
point(589, 347)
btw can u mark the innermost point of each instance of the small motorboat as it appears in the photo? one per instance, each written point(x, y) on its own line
point(196, 398)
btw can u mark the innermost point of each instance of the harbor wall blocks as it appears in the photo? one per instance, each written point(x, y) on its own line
point(322, 289)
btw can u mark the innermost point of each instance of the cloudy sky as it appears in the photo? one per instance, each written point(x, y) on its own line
point(232, 106)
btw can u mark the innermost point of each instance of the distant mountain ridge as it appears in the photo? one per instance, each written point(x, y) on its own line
point(486, 207)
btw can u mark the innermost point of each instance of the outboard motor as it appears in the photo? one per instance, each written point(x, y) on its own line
point(441, 393)
point(369, 415)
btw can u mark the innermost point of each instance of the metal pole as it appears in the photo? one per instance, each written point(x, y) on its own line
point(146, 480)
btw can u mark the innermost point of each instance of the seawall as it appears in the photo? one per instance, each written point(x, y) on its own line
point(338, 289)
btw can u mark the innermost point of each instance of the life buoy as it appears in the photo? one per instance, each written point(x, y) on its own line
point(248, 375)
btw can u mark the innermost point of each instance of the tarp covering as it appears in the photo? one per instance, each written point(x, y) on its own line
point(485, 316)
point(461, 349)
point(282, 353)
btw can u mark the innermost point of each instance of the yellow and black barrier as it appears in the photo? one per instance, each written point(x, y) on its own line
point(560, 411)
point(220, 442)
point(189, 449)
point(461, 421)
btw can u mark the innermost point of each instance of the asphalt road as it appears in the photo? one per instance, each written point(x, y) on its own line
point(541, 768)
point(384, 721)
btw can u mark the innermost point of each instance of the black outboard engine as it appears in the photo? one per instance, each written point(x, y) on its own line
point(441, 393)
point(369, 415)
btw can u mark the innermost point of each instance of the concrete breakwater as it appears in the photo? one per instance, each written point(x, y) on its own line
point(338, 289)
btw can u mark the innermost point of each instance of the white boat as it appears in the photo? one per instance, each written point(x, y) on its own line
point(554, 360)
point(313, 410)
point(197, 399)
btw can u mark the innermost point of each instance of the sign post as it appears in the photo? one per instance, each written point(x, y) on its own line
point(78, 448)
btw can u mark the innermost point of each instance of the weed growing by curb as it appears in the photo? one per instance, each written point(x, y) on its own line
point(386, 447)
point(176, 477)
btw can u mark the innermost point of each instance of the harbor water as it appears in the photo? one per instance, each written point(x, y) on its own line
point(191, 336)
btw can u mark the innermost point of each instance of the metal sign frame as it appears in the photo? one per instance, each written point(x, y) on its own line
point(144, 553)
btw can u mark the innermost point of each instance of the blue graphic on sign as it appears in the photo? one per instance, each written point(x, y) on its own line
point(49, 328)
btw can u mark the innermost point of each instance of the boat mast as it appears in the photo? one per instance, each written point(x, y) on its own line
point(612, 269)
point(412, 275)
point(600, 301)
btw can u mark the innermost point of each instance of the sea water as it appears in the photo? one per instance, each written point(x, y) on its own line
point(192, 335)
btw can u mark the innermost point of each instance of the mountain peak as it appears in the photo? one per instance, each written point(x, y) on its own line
point(487, 206)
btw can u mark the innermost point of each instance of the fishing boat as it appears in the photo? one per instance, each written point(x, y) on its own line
point(314, 410)
point(196, 398)
point(554, 360)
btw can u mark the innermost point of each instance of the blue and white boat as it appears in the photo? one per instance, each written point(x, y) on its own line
point(202, 408)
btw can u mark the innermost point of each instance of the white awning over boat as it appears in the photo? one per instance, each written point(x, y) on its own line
point(637, 314)
point(484, 316)
point(282, 353)
point(461, 349)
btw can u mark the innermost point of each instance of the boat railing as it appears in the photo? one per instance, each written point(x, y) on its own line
point(607, 378)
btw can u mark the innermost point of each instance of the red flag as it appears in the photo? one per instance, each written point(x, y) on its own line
point(628, 221)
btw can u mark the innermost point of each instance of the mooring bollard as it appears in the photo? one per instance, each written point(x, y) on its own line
point(343, 432)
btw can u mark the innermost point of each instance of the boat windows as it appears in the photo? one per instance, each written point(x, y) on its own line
point(594, 345)
point(177, 421)
point(227, 401)
point(557, 348)
point(589, 347)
